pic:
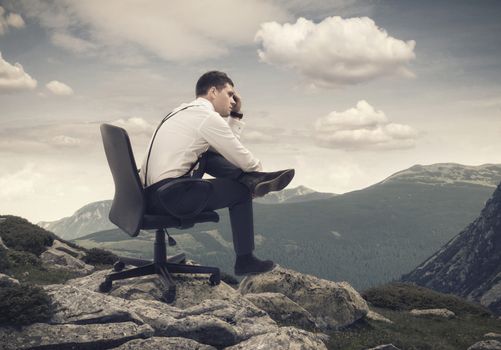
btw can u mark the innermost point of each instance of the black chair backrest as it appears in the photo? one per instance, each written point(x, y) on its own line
point(128, 206)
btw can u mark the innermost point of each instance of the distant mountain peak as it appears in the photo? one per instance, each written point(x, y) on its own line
point(449, 173)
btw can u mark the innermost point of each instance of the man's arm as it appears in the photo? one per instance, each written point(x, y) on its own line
point(221, 138)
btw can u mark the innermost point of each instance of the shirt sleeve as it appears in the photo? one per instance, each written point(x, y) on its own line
point(217, 132)
point(235, 125)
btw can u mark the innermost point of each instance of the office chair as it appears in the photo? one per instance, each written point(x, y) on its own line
point(128, 212)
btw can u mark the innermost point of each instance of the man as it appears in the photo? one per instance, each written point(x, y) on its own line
point(203, 137)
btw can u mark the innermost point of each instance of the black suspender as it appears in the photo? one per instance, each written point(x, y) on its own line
point(153, 139)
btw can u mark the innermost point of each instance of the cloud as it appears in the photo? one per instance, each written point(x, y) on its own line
point(362, 127)
point(20, 183)
point(13, 78)
point(335, 51)
point(58, 88)
point(174, 31)
point(11, 20)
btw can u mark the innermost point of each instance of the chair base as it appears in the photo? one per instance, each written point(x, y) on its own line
point(161, 266)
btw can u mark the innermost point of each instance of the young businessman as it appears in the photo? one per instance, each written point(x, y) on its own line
point(203, 137)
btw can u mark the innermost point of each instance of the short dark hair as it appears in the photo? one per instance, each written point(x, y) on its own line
point(210, 79)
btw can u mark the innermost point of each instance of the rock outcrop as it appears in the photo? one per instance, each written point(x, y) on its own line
point(281, 309)
point(332, 304)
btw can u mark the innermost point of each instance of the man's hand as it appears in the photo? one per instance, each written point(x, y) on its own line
point(235, 110)
point(238, 103)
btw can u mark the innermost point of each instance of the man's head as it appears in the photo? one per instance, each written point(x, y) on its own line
point(217, 87)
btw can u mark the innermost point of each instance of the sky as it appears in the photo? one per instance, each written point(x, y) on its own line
point(346, 92)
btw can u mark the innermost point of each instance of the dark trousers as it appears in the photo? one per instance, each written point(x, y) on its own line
point(227, 193)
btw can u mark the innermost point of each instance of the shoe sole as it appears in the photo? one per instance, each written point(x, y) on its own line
point(276, 184)
point(254, 273)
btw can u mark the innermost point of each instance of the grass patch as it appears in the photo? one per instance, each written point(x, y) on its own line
point(407, 296)
point(23, 305)
point(394, 300)
point(97, 256)
point(414, 333)
point(19, 234)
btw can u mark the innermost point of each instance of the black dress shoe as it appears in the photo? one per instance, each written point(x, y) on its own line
point(260, 183)
point(250, 265)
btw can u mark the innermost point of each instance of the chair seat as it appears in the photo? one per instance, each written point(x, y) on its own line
point(165, 221)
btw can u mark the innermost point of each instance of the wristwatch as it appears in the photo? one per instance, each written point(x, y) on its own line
point(236, 114)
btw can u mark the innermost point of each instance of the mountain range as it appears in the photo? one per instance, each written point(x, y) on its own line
point(365, 237)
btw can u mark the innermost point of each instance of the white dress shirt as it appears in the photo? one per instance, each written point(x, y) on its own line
point(189, 133)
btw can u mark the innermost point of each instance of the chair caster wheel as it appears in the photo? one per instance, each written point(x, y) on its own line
point(215, 279)
point(119, 266)
point(105, 286)
point(169, 296)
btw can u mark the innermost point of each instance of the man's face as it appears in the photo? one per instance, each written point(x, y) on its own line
point(222, 100)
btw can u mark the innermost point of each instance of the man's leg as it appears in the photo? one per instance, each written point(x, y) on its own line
point(237, 197)
point(217, 166)
point(259, 183)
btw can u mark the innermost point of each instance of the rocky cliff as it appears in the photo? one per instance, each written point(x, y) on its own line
point(469, 265)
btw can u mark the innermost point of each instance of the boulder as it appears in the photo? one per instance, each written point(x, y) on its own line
point(282, 309)
point(332, 304)
point(71, 336)
point(433, 313)
point(284, 338)
point(75, 252)
point(486, 345)
point(158, 343)
point(61, 256)
point(7, 281)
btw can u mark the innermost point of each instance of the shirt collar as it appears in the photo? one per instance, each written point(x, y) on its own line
point(204, 102)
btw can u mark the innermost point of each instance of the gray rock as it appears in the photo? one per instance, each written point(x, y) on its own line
point(385, 347)
point(161, 343)
point(69, 336)
point(75, 252)
point(282, 309)
point(492, 335)
point(233, 321)
point(81, 306)
point(61, 256)
point(332, 304)
point(486, 345)
point(374, 316)
point(7, 281)
point(285, 338)
point(190, 289)
point(433, 313)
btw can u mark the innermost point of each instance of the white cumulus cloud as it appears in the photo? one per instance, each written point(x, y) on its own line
point(9, 20)
point(13, 78)
point(362, 127)
point(58, 88)
point(335, 51)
